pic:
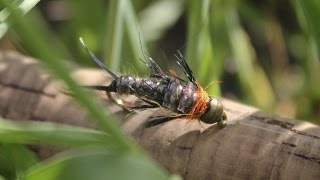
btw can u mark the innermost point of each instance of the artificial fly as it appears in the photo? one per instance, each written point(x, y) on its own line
point(186, 99)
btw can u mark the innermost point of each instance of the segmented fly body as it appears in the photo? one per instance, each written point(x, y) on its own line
point(186, 99)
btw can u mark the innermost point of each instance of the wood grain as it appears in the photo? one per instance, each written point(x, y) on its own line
point(255, 144)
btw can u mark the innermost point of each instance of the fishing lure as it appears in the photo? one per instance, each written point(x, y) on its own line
point(186, 99)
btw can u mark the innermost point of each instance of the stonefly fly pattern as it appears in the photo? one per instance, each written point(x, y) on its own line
point(186, 99)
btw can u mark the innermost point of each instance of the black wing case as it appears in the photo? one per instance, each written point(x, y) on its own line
point(185, 67)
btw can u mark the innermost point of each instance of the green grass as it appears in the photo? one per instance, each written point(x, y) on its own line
point(267, 55)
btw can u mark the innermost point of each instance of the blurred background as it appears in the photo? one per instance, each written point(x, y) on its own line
point(266, 53)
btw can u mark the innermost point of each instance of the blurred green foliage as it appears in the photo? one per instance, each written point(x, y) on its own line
point(266, 53)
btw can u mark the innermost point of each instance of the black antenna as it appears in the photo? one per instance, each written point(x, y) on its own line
point(143, 53)
point(97, 60)
point(185, 67)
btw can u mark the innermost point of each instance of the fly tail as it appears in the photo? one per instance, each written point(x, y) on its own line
point(110, 88)
point(97, 60)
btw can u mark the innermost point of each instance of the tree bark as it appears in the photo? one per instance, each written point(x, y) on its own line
point(255, 144)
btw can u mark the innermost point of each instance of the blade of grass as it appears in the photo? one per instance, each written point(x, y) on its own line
point(25, 6)
point(207, 74)
point(199, 47)
point(95, 163)
point(114, 33)
point(310, 10)
point(48, 55)
point(219, 42)
point(311, 26)
point(254, 83)
point(15, 159)
point(197, 13)
point(33, 132)
point(134, 38)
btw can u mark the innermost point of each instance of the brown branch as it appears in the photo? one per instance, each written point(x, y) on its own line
point(256, 145)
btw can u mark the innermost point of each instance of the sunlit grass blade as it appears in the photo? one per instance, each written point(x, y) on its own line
point(219, 45)
point(254, 83)
point(207, 75)
point(95, 163)
point(25, 6)
point(313, 67)
point(32, 132)
point(135, 44)
point(50, 57)
point(197, 16)
point(310, 12)
point(199, 47)
point(112, 55)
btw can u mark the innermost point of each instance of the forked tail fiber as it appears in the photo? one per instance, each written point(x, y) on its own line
point(97, 60)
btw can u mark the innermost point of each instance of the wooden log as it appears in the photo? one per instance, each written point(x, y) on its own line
point(254, 145)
